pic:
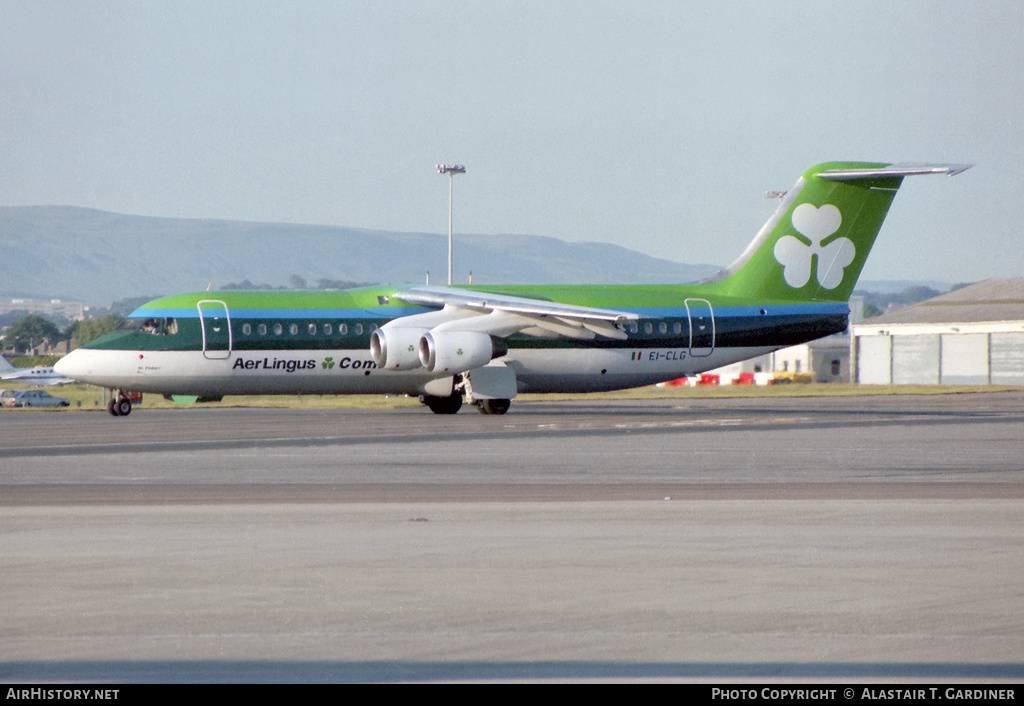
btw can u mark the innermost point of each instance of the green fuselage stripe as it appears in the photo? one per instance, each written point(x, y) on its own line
point(350, 329)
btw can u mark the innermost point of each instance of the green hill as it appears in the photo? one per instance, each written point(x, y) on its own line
point(98, 257)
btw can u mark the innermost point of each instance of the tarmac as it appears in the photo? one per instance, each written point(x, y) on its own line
point(846, 538)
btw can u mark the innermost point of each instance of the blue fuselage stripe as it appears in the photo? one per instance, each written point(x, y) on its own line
point(391, 312)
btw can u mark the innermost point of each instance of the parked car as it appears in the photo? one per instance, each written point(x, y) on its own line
point(33, 398)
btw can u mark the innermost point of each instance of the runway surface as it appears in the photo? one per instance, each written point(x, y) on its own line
point(856, 537)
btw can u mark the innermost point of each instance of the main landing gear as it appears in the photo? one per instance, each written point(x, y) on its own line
point(453, 403)
point(462, 385)
point(443, 405)
point(493, 406)
point(119, 405)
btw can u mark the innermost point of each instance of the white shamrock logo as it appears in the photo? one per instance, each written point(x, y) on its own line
point(794, 254)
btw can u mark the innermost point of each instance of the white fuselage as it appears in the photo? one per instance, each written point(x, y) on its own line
point(354, 372)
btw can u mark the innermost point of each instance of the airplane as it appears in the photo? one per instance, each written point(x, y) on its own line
point(486, 344)
point(40, 375)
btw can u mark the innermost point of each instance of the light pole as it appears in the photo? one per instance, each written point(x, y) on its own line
point(451, 170)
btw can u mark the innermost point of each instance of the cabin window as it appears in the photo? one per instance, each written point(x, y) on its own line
point(293, 329)
point(358, 329)
point(261, 329)
point(247, 329)
point(677, 328)
point(278, 329)
point(312, 329)
point(633, 328)
point(648, 327)
point(342, 329)
point(328, 330)
point(663, 328)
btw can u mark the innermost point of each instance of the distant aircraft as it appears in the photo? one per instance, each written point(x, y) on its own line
point(34, 376)
point(487, 344)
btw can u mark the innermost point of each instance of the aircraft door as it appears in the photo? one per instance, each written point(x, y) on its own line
point(215, 322)
point(702, 327)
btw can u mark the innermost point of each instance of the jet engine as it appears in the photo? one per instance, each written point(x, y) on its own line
point(396, 348)
point(458, 351)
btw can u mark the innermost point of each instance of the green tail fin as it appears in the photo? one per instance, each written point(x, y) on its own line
point(815, 245)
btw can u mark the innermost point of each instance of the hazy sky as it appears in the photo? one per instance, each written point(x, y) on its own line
point(653, 125)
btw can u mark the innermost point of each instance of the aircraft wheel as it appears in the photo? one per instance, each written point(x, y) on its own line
point(493, 406)
point(123, 406)
point(443, 405)
point(112, 407)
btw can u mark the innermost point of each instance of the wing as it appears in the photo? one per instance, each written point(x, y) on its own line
point(502, 315)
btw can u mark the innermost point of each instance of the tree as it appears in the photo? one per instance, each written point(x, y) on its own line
point(918, 293)
point(870, 311)
point(90, 329)
point(31, 331)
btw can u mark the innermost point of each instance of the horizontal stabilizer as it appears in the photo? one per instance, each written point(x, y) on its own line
point(893, 170)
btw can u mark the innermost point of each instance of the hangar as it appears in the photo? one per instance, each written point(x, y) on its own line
point(970, 336)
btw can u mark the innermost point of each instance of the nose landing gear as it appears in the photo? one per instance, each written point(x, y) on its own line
point(120, 404)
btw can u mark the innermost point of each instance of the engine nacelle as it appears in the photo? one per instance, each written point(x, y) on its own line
point(458, 351)
point(396, 348)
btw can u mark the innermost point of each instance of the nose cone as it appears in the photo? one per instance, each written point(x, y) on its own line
point(106, 368)
point(75, 365)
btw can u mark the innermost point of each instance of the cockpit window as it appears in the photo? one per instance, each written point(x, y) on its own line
point(157, 326)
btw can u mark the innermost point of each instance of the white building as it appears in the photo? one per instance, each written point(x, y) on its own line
point(971, 336)
point(74, 311)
